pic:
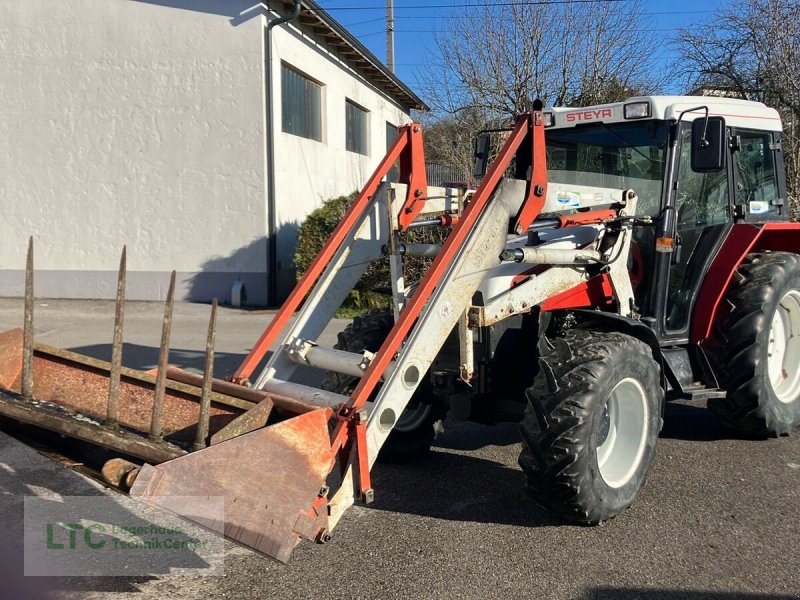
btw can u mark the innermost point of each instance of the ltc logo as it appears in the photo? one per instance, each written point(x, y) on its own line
point(59, 534)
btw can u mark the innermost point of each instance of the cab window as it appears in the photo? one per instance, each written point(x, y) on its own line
point(702, 197)
point(756, 180)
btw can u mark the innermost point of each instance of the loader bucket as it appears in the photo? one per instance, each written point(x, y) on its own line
point(196, 435)
point(139, 414)
point(272, 480)
point(70, 396)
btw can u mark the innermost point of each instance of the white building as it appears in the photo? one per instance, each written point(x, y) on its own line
point(145, 123)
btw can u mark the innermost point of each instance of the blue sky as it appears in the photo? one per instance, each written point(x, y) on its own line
point(416, 22)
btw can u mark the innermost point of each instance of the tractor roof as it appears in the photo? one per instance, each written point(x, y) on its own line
point(737, 113)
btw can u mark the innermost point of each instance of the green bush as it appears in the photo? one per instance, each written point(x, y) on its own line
point(313, 233)
point(319, 225)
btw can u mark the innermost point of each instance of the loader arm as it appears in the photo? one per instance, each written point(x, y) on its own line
point(362, 420)
point(473, 246)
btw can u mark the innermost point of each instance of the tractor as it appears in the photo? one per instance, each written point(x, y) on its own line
point(612, 258)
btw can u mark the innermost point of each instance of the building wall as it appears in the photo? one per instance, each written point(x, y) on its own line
point(307, 171)
point(131, 122)
point(142, 123)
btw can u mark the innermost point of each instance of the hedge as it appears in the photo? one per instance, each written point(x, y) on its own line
point(318, 226)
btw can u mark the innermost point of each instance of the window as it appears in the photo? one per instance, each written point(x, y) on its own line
point(356, 128)
point(391, 136)
point(756, 186)
point(702, 198)
point(301, 104)
point(623, 156)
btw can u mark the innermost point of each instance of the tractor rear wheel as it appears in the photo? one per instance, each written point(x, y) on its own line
point(755, 346)
point(590, 429)
point(413, 433)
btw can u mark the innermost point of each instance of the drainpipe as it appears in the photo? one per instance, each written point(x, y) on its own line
point(272, 227)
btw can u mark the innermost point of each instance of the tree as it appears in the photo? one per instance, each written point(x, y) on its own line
point(751, 50)
point(497, 58)
point(449, 139)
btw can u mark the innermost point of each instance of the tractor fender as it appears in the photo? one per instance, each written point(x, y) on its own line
point(743, 239)
point(608, 321)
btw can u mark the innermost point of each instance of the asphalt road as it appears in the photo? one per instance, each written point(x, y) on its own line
point(717, 519)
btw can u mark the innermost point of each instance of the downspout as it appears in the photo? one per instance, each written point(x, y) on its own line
point(272, 227)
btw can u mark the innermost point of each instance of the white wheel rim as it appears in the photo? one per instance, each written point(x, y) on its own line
point(620, 453)
point(783, 349)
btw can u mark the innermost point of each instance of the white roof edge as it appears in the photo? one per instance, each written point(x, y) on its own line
point(736, 112)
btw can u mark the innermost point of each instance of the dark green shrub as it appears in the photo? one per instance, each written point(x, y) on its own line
point(313, 233)
point(319, 225)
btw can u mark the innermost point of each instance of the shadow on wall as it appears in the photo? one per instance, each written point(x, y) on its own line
point(248, 265)
point(237, 11)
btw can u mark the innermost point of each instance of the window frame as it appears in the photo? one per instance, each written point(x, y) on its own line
point(713, 235)
point(365, 134)
point(776, 212)
point(393, 176)
point(307, 124)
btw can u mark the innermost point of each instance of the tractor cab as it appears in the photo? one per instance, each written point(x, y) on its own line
point(697, 164)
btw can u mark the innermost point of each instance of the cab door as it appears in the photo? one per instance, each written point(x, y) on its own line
point(703, 211)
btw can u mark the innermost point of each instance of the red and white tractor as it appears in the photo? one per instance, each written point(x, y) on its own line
point(612, 257)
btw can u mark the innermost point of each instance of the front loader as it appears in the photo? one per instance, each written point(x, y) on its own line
point(612, 258)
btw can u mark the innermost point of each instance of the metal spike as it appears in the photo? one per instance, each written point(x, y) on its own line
point(27, 336)
point(156, 424)
point(208, 375)
point(116, 349)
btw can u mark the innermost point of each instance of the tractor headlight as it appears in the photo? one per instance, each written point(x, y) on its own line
point(549, 119)
point(637, 110)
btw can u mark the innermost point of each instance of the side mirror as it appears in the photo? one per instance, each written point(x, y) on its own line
point(708, 144)
point(483, 145)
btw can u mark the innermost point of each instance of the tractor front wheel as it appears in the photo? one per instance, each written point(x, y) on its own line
point(590, 429)
point(419, 423)
point(755, 346)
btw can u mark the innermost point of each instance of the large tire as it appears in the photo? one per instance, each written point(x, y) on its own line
point(755, 346)
point(590, 429)
point(416, 428)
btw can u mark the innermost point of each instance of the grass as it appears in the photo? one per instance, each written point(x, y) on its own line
point(348, 312)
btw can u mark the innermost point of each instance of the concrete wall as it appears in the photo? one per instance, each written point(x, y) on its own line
point(142, 122)
point(138, 123)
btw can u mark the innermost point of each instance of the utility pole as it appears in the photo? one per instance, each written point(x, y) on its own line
point(390, 34)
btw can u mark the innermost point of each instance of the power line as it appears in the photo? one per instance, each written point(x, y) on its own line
point(363, 22)
point(644, 12)
point(474, 4)
point(443, 31)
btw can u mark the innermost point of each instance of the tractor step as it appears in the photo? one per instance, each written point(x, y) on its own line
point(701, 392)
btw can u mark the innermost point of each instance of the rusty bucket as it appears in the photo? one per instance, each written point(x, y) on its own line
point(180, 434)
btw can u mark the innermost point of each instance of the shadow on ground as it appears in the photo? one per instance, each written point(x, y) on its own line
point(461, 496)
point(144, 358)
point(607, 593)
point(694, 422)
